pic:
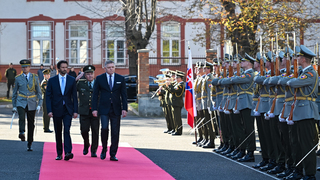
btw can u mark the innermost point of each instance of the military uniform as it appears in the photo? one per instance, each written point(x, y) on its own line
point(167, 114)
point(87, 120)
point(46, 118)
point(26, 92)
point(10, 74)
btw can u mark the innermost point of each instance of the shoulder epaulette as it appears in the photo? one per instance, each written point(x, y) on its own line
point(34, 74)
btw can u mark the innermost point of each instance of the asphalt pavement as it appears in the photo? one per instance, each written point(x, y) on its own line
point(175, 154)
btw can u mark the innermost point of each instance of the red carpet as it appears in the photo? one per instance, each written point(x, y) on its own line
point(131, 165)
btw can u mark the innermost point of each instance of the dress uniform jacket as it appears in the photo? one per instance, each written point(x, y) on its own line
point(318, 98)
point(85, 96)
point(213, 95)
point(255, 95)
point(29, 92)
point(219, 91)
point(232, 94)
point(177, 91)
point(206, 91)
point(264, 94)
point(245, 89)
point(162, 99)
point(305, 105)
point(198, 92)
point(280, 90)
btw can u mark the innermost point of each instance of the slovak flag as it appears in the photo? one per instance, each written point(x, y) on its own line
point(189, 101)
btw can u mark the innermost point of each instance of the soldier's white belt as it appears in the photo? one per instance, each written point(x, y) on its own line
point(306, 98)
point(24, 96)
point(245, 92)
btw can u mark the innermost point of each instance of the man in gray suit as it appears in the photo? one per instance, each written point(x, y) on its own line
point(304, 114)
point(26, 92)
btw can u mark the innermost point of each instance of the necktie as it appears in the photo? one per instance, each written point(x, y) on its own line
point(90, 85)
point(110, 82)
point(62, 85)
point(26, 78)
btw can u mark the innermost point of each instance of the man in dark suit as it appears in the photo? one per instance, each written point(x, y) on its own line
point(111, 89)
point(62, 105)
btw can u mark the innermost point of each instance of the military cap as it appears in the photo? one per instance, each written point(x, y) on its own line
point(180, 73)
point(200, 64)
point(259, 57)
point(248, 58)
point(304, 51)
point(297, 48)
point(89, 68)
point(46, 71)
point(227, 57)
point(25, 62)
point(10, 64)
point(208, 64)
point(288, 51)
point(281, 55)
point(269, 56)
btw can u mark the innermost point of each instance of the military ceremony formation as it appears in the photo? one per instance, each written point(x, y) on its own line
point(276, 90)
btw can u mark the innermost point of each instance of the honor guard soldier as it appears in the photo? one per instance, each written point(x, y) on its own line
point(46, 118)
point(167, 108)
point(177, 91)
point(206, 102)
point(87, 120)
point(10, 74)
point(26, 98)
point(304, 114)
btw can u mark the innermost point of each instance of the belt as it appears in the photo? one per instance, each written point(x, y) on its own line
point(225, 94)
point(213, 95)
point(255, 99)
point(245, 92)
point(288, 99)
point(219, 92)
point(306, 98)
point(198, 98)
point(272, 96)
point(230, 94)
point(281, 96)
point(264, 95)
point(24, 96)
point(203, 97)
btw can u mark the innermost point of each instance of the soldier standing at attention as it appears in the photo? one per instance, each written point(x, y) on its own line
point(10, 75)
point(177, 91)
point(304, 114)
point(24, 100)
point(87, 120)
point(46, 118)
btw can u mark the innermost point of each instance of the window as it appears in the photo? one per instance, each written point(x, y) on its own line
point(171, 42)
point(40, 43)
point(78, 43)
point(115, 44)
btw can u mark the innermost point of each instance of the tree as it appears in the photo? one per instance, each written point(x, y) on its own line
point(246, 20)
point(140, 19)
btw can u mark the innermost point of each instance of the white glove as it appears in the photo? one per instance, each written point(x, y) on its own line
point(38, 109)
point(289, 122)
point(266, 116)
point(256, 113)
point(271, 115)
point(14, 109)
point(226, 111)
point(220, 109)
point(236, 111)
point(214, 108)
point(281, 119)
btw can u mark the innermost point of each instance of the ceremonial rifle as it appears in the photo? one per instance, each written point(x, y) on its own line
point(261, 71)
point(317, 48)
point(229, 75)
point(295, 74)
point(277, 73)
point(288, 71)
point(238, 74)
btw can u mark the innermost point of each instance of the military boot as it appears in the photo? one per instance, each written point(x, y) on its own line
point(229, 150)
point(233, 153)
point(248, 158)
point(241, 154)
point(278, 169)
point(272, 164)
point(261, 164)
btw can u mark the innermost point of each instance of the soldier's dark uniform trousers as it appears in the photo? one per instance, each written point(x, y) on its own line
point(10, 74)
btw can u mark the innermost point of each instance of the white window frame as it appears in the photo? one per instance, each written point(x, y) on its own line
point(41, 39)
point(178, 38)
point(78, 39)
point(115, 40)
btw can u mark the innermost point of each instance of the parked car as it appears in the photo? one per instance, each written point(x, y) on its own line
point(131, 84)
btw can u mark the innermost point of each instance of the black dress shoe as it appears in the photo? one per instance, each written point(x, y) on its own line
point(278, 169)
point(233, 153)
point(203, 142)
point(224, 148)
point(29, 147)
point(94, 154)
point(229, 150)
point(48, 131)
point(210, 144)
point(22, 137)
point(85, 150)
point(68, 156)
point(113, 158)
point(247, 158)
point(59, 157)
point(318, 153)
point(286, 173)
point(318, 168)
point(166, 131)
point(295, 175)
point(312, 177)
point(272, 164)
point(241, 154)
point(261, 164)
point(221, 146)
point(200, 139)
point(176, 134)
point(103, 154)
point(171, 132)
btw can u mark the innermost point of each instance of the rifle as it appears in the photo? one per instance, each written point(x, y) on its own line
point(295, 74)
point(261, 71)
point(317, 49)
point(277, 73)
point(238, 74)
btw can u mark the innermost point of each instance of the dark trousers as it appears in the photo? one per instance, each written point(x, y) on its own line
point(10, 83)
point(176, 112)
point(267, 137)
point(223, 128)
point(57, 121)
point(22, 122)
point(46, 118)
point(115, 130)
point(203, 129)
point(228, 130)
point(285, 141)
point(87, 122)
point(237, 130)
point(262, 137)
point(276, 140)
point(307, 135)
point(208, 126)
point(168, 116)
point(249, 133)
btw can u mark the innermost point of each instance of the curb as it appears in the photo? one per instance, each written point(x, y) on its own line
point(130, 108)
